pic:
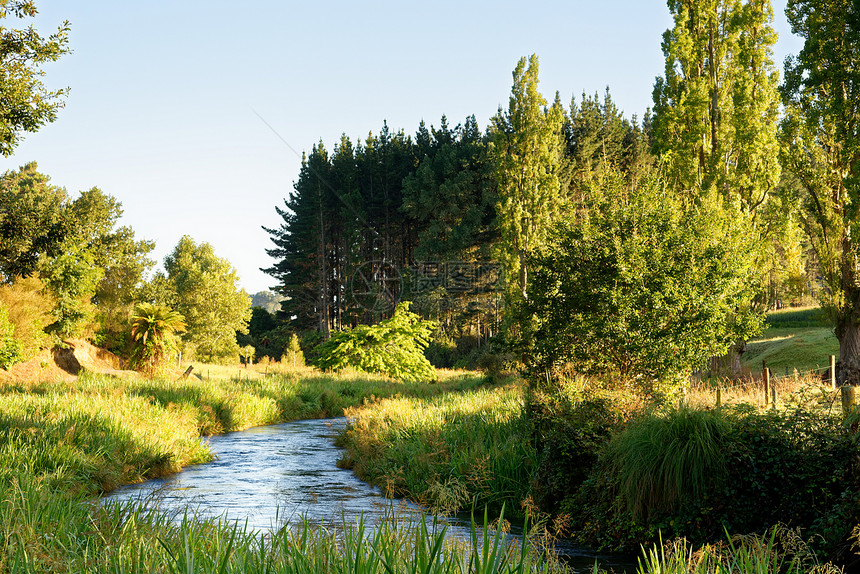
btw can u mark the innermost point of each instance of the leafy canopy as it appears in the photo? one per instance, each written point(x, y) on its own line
point(640, 284)
point(394, 347)
point(27, 104)
point(206, 292)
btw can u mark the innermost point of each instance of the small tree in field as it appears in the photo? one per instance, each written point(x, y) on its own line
point(394, 347)
point(153, 335)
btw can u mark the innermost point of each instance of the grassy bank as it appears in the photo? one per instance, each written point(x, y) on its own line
point(62, 443)
point(615, 472)
point(449, 451)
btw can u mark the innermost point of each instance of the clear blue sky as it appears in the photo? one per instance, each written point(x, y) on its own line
point(161, 113)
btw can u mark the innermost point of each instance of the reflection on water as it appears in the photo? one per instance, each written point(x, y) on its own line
point(272, 475)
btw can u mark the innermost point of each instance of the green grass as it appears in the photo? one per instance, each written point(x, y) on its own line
point(62, 443)
point(803, 349)
point(798, 317)
point(660, 460)
point(447, 452)
point(42, 532)
point(795, 338)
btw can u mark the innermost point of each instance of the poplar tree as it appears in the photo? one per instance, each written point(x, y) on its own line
point(821, 126)
point(527, 148)
point(716, 108)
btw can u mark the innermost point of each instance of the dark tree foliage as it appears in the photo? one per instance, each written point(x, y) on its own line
point(27, 104)
point(394, 201)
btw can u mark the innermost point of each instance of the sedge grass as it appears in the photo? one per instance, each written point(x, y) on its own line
point(661, 459)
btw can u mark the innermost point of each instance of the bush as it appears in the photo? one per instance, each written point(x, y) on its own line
point(394, 347)
point(30, 312)
point(10, 349)
point(697, 474)
point(570, 429)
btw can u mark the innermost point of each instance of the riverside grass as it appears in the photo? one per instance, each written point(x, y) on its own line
point(62, 443)
point(449, 452)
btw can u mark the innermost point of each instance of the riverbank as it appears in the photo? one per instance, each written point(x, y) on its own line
point(615, 472)
point(67, 441)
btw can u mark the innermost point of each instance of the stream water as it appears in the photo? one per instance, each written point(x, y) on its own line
point(272, 475)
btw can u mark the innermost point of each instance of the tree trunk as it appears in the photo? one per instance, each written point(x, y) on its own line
point(848, 365)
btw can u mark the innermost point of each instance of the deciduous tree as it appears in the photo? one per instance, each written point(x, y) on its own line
point(27, 104)
point(528, 152)
point(822, 136)
point(640, 284)
point(209, 298)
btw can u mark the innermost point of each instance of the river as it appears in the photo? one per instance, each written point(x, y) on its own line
point(272, 475)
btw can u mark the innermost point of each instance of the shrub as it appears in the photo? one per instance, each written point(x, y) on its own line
point(30, 312)
point(394, 347)
point(10, 349)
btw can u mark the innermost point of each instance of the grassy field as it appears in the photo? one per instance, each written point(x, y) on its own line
point(794, 339)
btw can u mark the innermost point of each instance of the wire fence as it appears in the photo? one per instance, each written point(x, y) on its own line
point(768, 389)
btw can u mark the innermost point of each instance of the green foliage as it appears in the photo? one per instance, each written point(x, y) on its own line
point(527, 150)
point(699, 473)
point(661, 460)
point(447, 452)
point(451, 193)
point(153, 330)
point(393, 347)
point(72, 278)
point(715, 109)
point(30, 311)
point(822, 151)
point(27, 104)
point(293, 354)
point(32, 220)
point(247, 353)
point(207, 296)
point(10, 348)
point(640, 284)
point(599, 138)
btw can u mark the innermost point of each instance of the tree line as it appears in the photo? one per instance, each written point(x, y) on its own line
point(765, 168)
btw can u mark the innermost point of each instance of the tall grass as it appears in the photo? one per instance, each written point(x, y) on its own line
point(778, 551)
point(64, 442)
point(662, 459)
point(447, 452)
point(61, 535)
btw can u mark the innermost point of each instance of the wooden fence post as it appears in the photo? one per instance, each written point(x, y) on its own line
point(773, 396)
point(849, 397)
point(766, 374)
point(833, 372)
point(719, 402)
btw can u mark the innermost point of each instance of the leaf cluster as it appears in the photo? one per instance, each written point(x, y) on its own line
point(640, 284)
point(393, 347)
